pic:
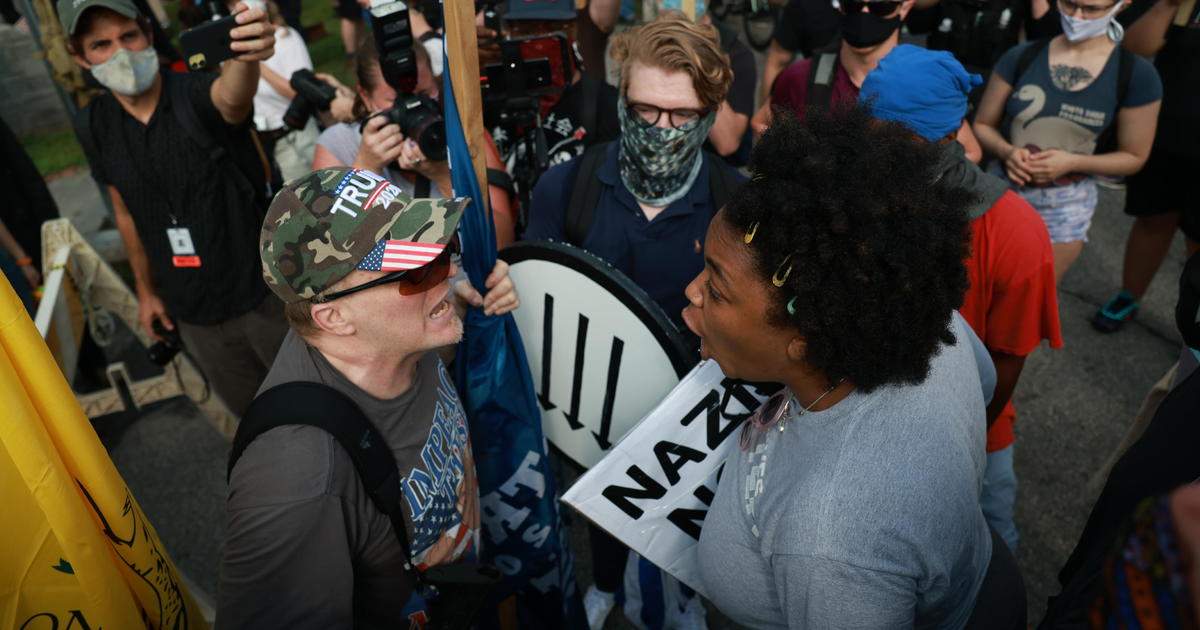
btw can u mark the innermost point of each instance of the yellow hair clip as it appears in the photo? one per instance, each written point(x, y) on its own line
point(778, 281)
point(751, 232)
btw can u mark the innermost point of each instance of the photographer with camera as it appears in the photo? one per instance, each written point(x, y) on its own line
point(291, 141)
point(402, 137)
point(579, 112)
point(188, 184)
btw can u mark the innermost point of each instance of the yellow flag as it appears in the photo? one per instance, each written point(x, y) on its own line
point(77, 551)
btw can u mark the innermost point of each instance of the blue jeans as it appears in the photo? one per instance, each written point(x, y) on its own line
point(999, 495)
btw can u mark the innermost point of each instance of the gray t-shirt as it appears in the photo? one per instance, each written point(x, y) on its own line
point(342, 140)
point(305, 547)
point(1040, 114)
point(865, 515)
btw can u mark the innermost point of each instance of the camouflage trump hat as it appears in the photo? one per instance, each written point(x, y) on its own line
point(324, 225)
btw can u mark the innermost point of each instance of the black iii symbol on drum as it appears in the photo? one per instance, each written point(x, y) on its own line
point(571, 414)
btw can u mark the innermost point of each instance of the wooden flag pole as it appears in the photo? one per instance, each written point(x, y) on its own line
point(462, 59)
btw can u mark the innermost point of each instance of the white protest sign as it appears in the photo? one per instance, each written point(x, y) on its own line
point(653, 489)
point(601, 352)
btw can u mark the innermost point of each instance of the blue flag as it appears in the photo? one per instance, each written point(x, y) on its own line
point(522, 532)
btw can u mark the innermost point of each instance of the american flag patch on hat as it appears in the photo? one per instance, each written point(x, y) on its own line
point(389, 255)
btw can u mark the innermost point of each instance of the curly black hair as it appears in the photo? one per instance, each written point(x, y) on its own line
point(876, 245)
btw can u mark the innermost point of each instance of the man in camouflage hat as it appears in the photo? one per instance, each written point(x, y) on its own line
point(366, 275)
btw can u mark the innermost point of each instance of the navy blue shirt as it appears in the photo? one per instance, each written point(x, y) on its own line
point(661, 256)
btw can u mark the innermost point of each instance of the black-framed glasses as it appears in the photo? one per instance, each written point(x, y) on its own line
point(1069, 7)
point(651, 114)
point(408, 281)
point(878, 8)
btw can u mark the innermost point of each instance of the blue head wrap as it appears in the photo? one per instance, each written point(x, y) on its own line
point(926, 90)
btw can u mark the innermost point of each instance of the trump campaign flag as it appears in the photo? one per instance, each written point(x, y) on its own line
point(522, 532)
point(77, 551)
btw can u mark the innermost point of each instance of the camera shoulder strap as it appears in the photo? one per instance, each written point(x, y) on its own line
point(585, 194)
point(321, 406)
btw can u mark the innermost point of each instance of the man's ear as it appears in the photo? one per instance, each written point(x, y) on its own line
point(905, 8)
point(78, 59)
point(797, 349)
point(331, 318)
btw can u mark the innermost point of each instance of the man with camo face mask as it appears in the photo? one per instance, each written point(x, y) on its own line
point(189, 218)
point(644, 201)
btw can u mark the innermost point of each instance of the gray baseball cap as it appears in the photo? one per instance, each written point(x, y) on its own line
point(69, 11)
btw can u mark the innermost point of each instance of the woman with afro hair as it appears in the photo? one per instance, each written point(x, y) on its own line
point(854, 500)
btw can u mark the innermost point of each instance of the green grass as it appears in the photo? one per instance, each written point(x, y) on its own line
point(54, 151)
point(57, 150)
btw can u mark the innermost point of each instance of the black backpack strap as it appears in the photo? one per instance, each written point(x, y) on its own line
point(1026, 59)
point(321, 406)
point(820, 80)
point(585, 194)
point(720, 181)
point(591, 104)
point(1106, 142)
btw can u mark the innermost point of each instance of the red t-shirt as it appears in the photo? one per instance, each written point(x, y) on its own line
point(1012, 303)
point(791, 88)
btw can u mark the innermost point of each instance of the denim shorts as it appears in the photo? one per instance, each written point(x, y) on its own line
point(1067, 210)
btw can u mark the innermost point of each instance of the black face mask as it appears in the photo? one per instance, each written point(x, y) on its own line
point(863, 30)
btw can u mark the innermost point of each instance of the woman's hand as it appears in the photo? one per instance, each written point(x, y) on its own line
point(501, 296)
point(342, 106)
point(436, 171)
point(1017, 165)
point(1047, 166)
point(381, 144)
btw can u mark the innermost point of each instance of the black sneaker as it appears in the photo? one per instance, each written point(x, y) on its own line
point(1112, 317)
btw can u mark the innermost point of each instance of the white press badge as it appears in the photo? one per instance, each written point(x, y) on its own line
point(182, 247)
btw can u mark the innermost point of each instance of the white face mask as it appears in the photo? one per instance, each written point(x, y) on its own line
point(129, 73)
point(1078, 29)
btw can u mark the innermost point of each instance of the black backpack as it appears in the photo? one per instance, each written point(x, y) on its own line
point(585, 196)
point(463, 587)
point(976, 32)
point(1106, 142)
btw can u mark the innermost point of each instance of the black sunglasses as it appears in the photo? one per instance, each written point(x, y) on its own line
point(408, 281)
point(878, 8)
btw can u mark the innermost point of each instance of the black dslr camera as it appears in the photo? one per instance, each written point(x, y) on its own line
point(312, 94)
point(418, 116)
point(419, 119)
point(161, 352)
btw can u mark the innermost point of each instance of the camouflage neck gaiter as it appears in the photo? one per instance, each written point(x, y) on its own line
point(659, 164)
